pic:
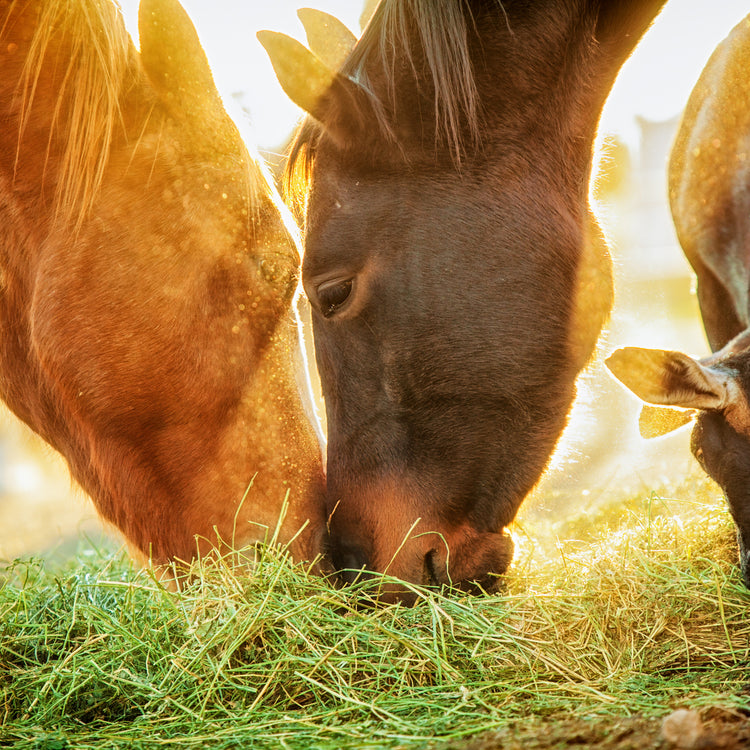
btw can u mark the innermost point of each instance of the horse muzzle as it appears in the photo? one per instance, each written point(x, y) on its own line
point(381, 531)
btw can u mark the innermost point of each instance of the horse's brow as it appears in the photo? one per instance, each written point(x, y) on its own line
point(325, 258)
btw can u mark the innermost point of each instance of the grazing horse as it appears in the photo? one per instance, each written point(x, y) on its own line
point(146, 284)
point(457, 276)
point(709, 192)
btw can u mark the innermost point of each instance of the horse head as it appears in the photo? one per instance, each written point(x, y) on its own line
point(457, 278)
point(148, 282)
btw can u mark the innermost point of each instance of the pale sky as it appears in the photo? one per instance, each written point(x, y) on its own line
point(654, 83)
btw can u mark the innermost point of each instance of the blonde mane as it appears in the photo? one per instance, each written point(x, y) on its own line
point(85, 45)
point(87, 113)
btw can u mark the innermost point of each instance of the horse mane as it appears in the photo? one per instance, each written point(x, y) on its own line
point(434, 33)
point(87, 112)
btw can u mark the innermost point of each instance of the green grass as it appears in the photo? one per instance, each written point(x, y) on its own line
point(642, 613)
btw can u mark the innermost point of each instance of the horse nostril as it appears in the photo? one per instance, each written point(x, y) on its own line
point(350, 561)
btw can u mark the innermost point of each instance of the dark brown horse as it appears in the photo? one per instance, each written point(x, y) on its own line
point(709, 190)
point(457, 276)
point(146, 284)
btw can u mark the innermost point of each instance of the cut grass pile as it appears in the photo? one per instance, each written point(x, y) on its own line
point(642, 614)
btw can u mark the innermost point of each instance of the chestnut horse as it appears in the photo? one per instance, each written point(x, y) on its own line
point(709, 191)
point(457, 276)
point(146, 285)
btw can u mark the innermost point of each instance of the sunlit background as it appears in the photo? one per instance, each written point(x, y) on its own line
point(655, 305)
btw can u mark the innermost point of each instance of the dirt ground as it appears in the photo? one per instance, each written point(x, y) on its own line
point(709, 729)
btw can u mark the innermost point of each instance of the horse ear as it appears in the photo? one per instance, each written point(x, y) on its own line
point(340, 105)
point(669, 378)
point(176, 64)
point(656, 421)
point(327, 37)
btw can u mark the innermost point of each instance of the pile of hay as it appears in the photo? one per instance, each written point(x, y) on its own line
point(639, 612)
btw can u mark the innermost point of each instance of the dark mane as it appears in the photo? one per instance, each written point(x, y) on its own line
point(431, 34)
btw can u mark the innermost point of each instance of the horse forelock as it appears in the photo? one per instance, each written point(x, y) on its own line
point(90, 85)
point(430, 34)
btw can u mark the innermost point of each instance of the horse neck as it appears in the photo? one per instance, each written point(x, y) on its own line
point(547, 69)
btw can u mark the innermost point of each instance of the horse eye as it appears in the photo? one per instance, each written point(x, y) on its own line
point(332, 295)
